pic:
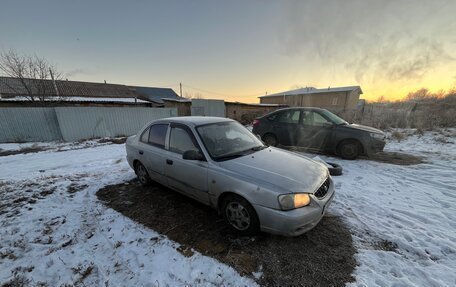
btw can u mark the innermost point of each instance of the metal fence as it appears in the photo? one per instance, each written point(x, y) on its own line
point(203, 107)
point(75, 123)
point(28, 124)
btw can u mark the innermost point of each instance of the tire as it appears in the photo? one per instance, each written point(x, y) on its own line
point(335, 170)
point(349, 149)
point(240, 215)
point(270, 140)
point(142, 174)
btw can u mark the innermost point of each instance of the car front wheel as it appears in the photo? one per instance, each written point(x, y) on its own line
point(240, 215)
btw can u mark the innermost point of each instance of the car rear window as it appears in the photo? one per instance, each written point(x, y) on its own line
point(157, 135)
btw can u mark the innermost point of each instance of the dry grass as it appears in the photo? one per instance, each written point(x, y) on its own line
point(426, 113)
point(398, 135)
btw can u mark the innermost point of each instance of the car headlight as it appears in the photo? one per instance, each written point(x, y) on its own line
point(292, 201)
point(377, 136)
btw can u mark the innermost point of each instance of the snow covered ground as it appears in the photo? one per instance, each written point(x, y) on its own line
point(403, 218)
point(54, 231)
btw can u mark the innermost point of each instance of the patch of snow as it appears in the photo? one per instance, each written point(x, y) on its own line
point(319, 159)
point(54, 230)
point(402, 218)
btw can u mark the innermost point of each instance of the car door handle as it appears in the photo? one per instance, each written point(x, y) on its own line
point(170, 162)
point(141, 152)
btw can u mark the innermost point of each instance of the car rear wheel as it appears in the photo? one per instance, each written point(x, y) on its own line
point(270, 140)
point(142, 174)
point(240, 215)
point(349, 149)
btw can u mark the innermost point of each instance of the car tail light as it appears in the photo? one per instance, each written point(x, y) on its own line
point(255, 123)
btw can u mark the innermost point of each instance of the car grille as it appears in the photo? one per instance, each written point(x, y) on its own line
point(323, 189)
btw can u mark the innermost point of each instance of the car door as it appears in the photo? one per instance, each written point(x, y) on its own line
point(314, 130)
point(285, 126)
point(186, 176)
point(150, 151)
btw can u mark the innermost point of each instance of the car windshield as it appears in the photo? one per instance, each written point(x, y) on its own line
point(227, 140)
point(335, 119)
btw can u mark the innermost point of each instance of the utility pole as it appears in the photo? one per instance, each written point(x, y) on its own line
point(180, 85)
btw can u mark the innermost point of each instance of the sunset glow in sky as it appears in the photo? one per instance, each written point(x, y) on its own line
point(239, 50)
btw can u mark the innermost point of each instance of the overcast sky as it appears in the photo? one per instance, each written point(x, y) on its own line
point(239, 50)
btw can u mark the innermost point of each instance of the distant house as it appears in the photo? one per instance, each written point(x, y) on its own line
point(336, 99)
point(14, 93)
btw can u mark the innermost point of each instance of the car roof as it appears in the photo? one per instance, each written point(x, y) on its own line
point(193, 120)
point(302, 108)
point(295, 108)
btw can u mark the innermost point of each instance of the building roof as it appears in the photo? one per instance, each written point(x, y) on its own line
point(12, 87)
point(80, 99)
point(178, 100)
point(156, 94)
point(254, 104)
point(312, 90)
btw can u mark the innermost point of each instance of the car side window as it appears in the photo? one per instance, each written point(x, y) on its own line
point(145, 136)
point(289, 117)
point(307, 118)
point(181, 141)
point(319, 120)
point(157, 135)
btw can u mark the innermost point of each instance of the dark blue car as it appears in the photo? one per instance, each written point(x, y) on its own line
point(320, 130)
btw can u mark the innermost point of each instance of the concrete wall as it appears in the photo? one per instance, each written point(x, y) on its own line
point(183, 108)
point(75, 123)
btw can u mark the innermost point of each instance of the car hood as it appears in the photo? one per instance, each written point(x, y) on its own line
point(282, 171)
point(364, 128)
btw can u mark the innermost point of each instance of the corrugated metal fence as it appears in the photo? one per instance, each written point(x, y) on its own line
point(204, 107)
point(75, 123)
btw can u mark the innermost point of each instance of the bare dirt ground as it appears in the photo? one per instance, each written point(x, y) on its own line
point(322, 257)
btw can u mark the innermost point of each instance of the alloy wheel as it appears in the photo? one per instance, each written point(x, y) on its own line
point(238, 216)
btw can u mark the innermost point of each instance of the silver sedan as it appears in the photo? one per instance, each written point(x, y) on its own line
point(220, 163)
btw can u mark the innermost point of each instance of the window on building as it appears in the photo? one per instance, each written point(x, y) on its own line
point(335, 100)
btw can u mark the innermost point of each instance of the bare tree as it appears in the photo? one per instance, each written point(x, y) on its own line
point(32, 75)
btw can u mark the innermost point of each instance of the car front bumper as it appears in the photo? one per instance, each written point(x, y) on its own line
point(375, 145)
point(297, 221)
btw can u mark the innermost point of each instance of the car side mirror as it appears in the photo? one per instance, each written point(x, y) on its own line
point(192, 155)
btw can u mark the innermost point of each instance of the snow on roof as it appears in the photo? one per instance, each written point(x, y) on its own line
point(312, 90)
point(256, 104)
point(79, 99)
